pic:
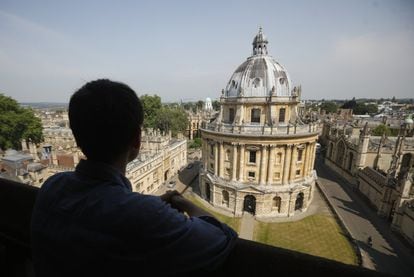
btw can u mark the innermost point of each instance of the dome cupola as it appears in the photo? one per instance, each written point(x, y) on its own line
point(260, 75)
point(260, 43)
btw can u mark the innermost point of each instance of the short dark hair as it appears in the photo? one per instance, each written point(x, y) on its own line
point(105, 117)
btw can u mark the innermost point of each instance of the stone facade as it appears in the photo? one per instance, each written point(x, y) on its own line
point(380, 168)
point(258, 156)
point(156, 164)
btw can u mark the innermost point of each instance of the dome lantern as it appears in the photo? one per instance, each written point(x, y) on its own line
point(260, 43)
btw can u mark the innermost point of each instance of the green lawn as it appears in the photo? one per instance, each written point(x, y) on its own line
point(233, 222)
point(318, 235)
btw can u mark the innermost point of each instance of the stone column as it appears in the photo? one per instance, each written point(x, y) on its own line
point(241, 165)
point(271, 162)
point(221, 159)
point(263, 163)
point(292, 169)
point(216, 159)
point(234, 164)
point(312, 156)
point(286, 163)
point(205, 154)
point(306, 160)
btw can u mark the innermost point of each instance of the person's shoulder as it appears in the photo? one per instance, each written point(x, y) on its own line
point(57, 178)
point(55, 181)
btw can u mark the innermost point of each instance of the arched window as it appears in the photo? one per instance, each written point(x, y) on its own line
point(255, 116)
point(231, 115)
point(282, 113)
point(208, 192)
point(277, 201)
point(227, 155)
point(225, 198)
point(299, 201)
point(405, 161)
point(350, 161)
point(256, 82)
point(279, 158)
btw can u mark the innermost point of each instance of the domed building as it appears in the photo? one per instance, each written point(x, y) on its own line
point(258, 156)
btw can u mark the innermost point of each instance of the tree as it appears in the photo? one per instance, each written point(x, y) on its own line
point(152, 105)
point(380, 130)
point(361, 108)
point(172, 119)
point(216, 105)
point(349, 104)
point(372, 108)
point(17, 123)
point(200, 105)
point(329, 107)
point(196, 143)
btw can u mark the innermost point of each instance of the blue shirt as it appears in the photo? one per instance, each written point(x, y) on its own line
point(90, 223)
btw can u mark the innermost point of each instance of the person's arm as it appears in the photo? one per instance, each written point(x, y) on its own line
point(177, 201)
point(182, 243)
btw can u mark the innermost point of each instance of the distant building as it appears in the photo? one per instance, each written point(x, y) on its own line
point(160, 158)
point(21, 167)
point(208, 106)
point(380, 168)
point(258, 155)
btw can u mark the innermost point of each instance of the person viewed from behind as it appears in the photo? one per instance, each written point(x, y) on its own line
point(90, 223)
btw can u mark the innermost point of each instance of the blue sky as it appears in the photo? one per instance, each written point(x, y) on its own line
point(188, 50)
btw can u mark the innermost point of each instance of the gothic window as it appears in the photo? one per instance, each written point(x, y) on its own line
point(282, 112)
point(255, 116)
point(330, 150)
point(405, 162)
point(340, 153)
point(350, 160)
point(252, 156)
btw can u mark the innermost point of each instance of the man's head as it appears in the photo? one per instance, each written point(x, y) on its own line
point(106, 119)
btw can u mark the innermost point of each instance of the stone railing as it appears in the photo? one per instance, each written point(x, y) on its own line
point(248, 258)
point(264, 130)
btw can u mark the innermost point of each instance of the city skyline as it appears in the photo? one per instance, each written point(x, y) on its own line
point(186, 51)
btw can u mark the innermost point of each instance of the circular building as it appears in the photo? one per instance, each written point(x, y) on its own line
point(258, 155)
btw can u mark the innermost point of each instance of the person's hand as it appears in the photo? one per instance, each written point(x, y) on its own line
point(180, 203)
point(168, 195)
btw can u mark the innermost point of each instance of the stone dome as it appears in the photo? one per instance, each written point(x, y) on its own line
point(260, 75)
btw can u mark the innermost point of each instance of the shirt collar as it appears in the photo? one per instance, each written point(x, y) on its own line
point(102, 171)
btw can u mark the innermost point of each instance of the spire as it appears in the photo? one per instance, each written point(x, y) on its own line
point(260, 43)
